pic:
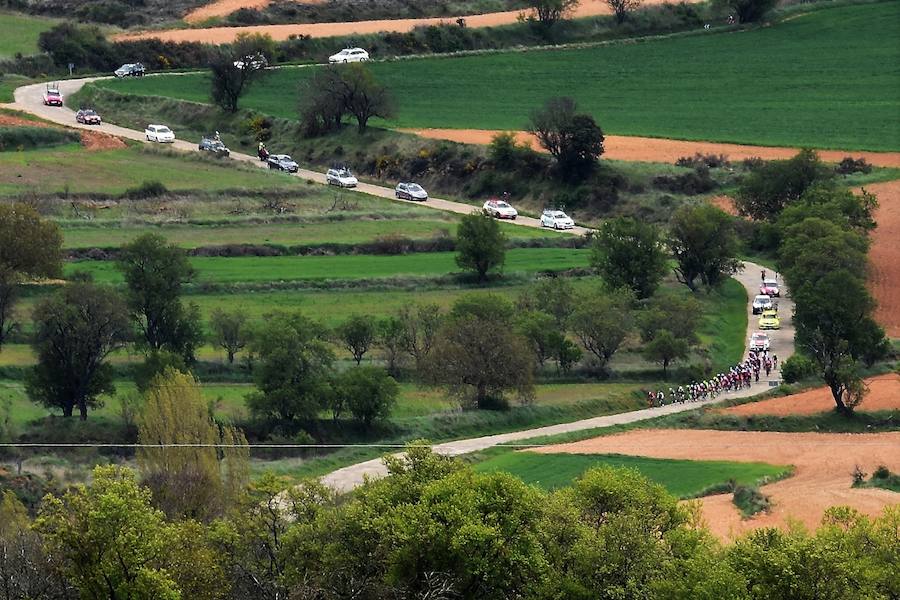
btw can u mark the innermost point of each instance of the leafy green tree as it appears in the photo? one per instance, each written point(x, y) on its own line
point(621, 8)
point(767, 190)
point(31, 248)
point(229, 331)
point(75, 331)
point(664, 348)
point(357, 334)
point(834, 203)
point(704, 244)
point(369, 393)
point(602, 321)
point(480, 244)
point(251, 44)
point(573, 139)
point(552, 295)
point(294, 368)
point(678, 313)
point(389, 336)
point(478, 357)
point(189, 482)
point(109, 539)
point(540, 331)
point(231, 76)
point(548, 12)
point(154, 365)
point(321, 109)
point(155, 273)
point(629, 253)
point(814, 247)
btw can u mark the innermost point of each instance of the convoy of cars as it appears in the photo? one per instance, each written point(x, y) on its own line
point(556, 219)
point(52, 96)
point(500, 209)
point(282, 162)
point(159, 133)
point(410, 191)
point(88, 116)
point(349, 55)
point(130, 70)
point(341, 177)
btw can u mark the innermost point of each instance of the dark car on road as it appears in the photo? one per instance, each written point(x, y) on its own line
point(211, 144)
point(131, 70)
point(282, 162)
point(87, 116)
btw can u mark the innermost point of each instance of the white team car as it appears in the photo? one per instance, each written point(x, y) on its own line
point(556, 219)
point(159, 133)
point(349, 55)
point(500, 210)
point(340, 177)
point(761, 303)
point(411, 191)
point(759, 341)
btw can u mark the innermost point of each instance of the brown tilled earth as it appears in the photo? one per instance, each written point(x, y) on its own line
point(222, 8)
point(884, 256)
point(90, 140)
point(823, 465)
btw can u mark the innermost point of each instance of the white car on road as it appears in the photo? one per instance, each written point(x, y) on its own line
point(349, 55)
point(759, 341)
point(159, 133)
point(556, 219)
point(411, 191)
point(340, 177)
point(761, 303)
point(500, 210)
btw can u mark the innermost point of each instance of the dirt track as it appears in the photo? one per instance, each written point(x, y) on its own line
point(884, 394)
point(823, 465)
point(664, 150)
point(223, 35)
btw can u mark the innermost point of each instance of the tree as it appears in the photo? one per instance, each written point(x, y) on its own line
point(252, 44)
point(677, 313)
point(540, 331)
point(363, 96)
point(548, 12)
point(229, 331)
point(111, 542)
point(189, 482)
point(629, 253)
point(155, 273)
point(153, 365)
point(573, 139)
point(369, 393)
point(621, 8)
point(294, 368)
point(390, 334)
point(478, 357)
point(421, 323)
point(767, 190)
point(703, 242)
point(31, 248)
point(231, 77)
point(480, 244)
point(664, 348)
point(814, 247)
point(321, 107)
point(833, 203)
point(553, 295)
point(602, 321)
point(358, 335)
point(75, 331)
point(750, 11)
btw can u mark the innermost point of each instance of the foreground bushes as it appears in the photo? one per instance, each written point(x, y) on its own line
point(28, 138)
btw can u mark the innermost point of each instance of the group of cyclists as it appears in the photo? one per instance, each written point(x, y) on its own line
point(737, 377)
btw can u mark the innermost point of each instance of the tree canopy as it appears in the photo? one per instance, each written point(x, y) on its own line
point(704, 244)
point(480, 244)
point(629, 253)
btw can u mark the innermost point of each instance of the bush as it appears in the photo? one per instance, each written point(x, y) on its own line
point(148, 189)
point(797, 368)
point(26, 138)
point(695, 182)
point(713, 161)
point(850, 165)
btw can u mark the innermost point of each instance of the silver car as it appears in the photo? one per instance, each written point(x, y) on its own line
point(411, 191)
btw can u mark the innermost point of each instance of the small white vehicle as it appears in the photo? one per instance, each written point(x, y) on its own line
point(349, 55)
point(340, 177)
point(762, 303)
point(253, 61)
point(411, 191)
point(759, 341)
point(556, 219)
point(159, 133)
point(500, 209)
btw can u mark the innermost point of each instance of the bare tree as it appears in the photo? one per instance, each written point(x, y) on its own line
point(548, 12)
point(231, 77)
point(621, 8)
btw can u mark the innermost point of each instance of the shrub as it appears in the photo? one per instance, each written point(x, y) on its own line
point(695, 182)
point(797, 368)
point(148, 189)
point(750, 500)
point(713, 161)
point(25, 138)
point(850, 165)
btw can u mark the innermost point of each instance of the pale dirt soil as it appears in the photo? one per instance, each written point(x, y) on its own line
point(884, 394)
point(222, 8)
point(823, 463)
point(90, 140)
point(224, 35)
point(643, 149)
point(884, 256)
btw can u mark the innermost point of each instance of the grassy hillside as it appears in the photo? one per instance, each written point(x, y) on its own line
point(20, 33)
point(826, 78)
point(683, 478)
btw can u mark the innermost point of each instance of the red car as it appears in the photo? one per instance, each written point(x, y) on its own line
point(53, 97)
point(88, 117)
point(770, 288)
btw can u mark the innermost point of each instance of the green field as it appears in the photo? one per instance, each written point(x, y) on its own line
point(826, 78)
point(683, 478)
point(20, 33)
point(298, 268)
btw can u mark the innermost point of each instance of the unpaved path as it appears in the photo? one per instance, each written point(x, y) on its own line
point(224, 35)
point(347, 478)
point(884, 256)
point(823, 465)
point(884, 394)
point(642, 149)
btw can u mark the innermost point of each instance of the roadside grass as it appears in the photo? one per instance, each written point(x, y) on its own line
point(882, 478)
point(723, 328)
point(297, 268)
point(20, 33)
point(683, 478)
point(8, 84)
point(696, 95)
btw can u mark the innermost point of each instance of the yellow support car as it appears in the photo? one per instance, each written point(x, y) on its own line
point(769, 320)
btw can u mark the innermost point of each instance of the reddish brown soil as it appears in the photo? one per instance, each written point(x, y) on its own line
point(224, 35)
point(12, 121)
point(884, 256)
point(823, 464)
point(884, 394)
point(90, 140)
point(663, 150)
point(724, 203)
point(221, 8)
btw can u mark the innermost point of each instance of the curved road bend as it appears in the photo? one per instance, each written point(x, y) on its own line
point(29, 99)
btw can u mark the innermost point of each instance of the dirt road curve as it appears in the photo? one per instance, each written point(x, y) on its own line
point(347, 478)
point(663, 150)
point(28, 99)
point(223, 35)
point(823, 465)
